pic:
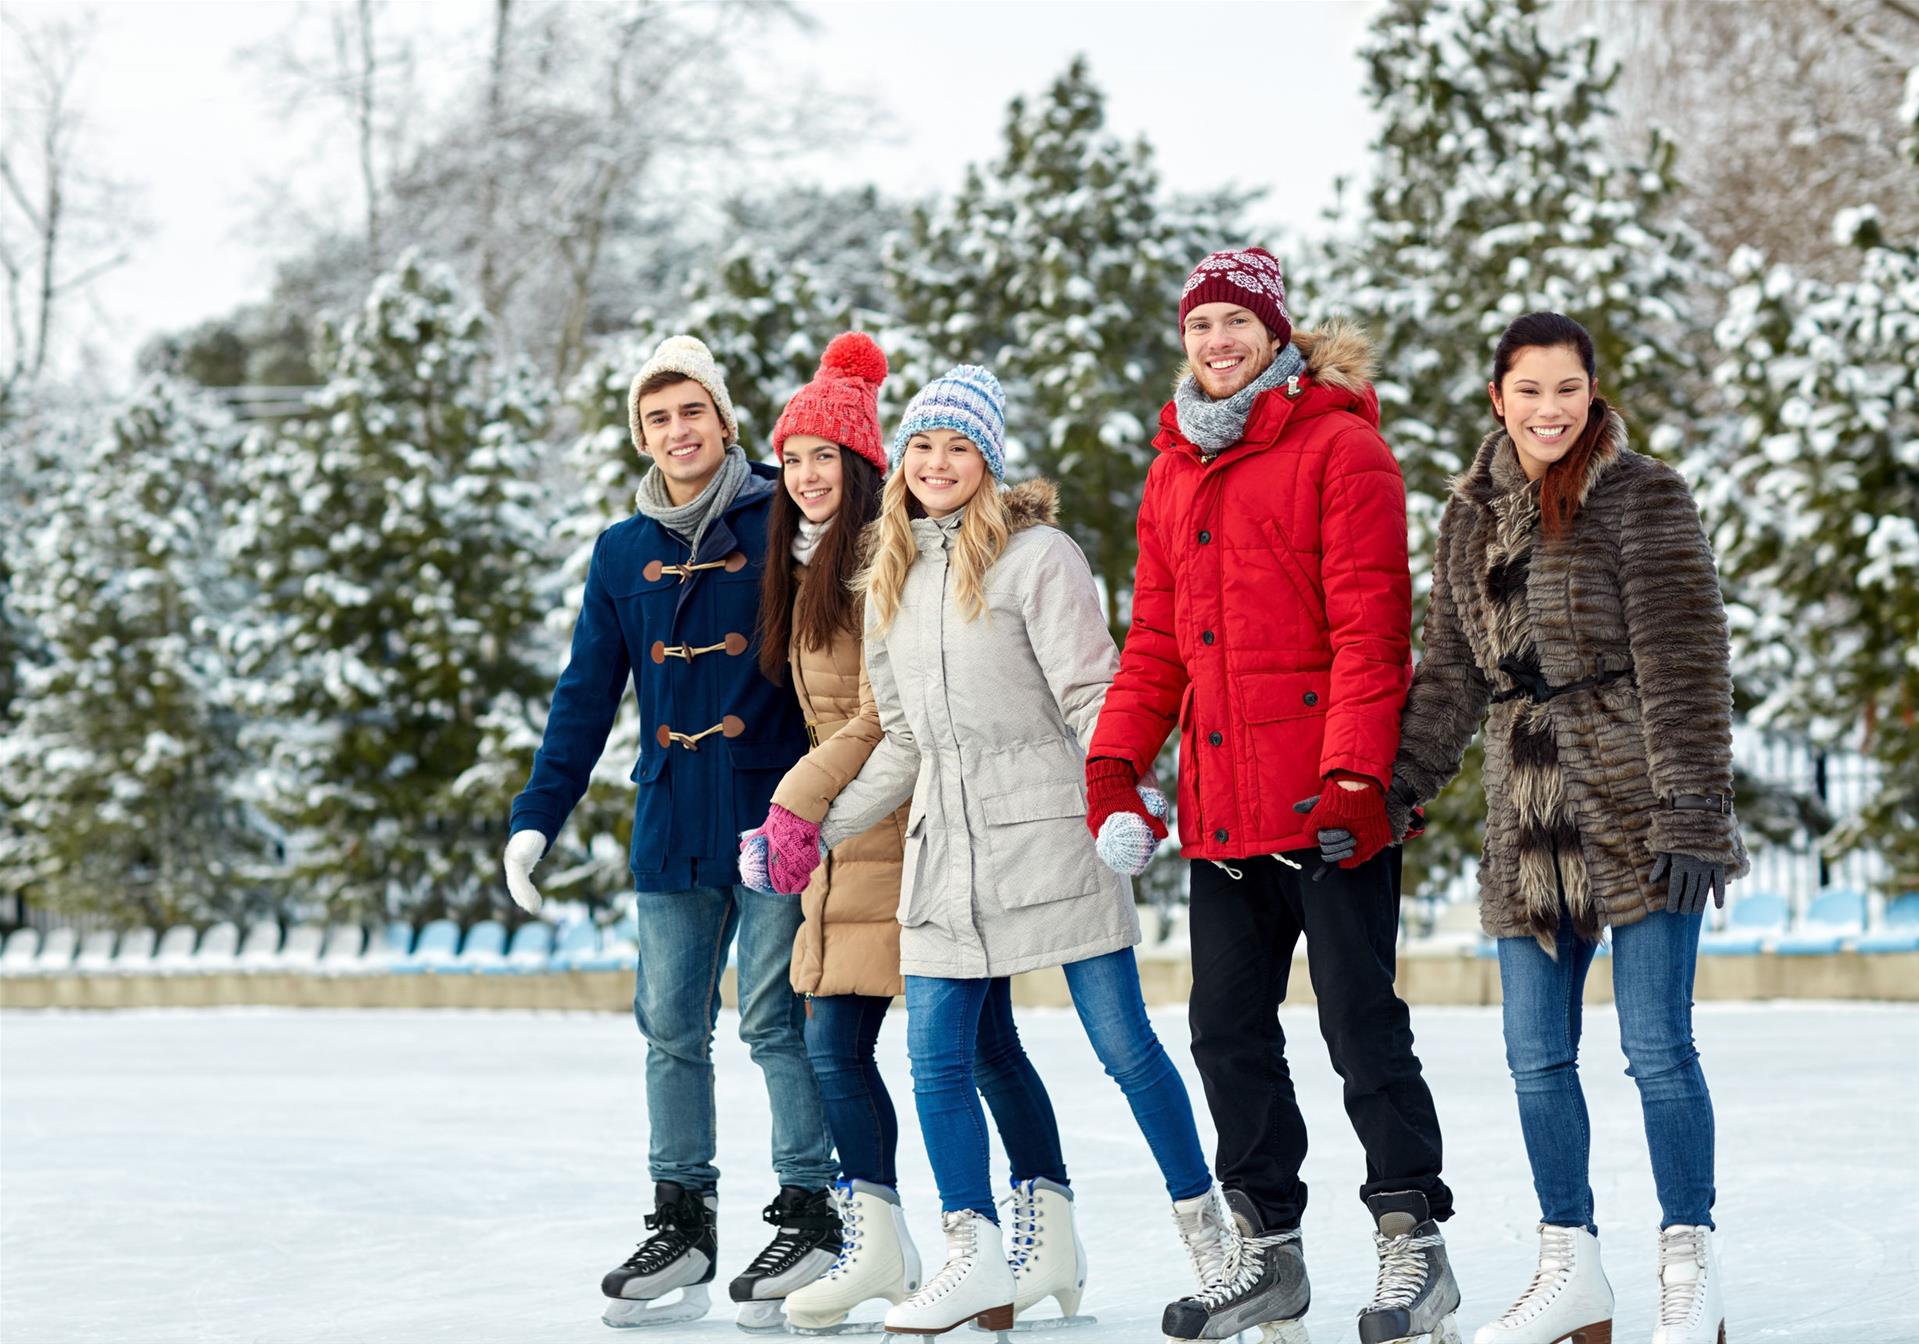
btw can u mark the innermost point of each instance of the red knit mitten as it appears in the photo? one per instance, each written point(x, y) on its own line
point(1110, 789)
point(1359, 811)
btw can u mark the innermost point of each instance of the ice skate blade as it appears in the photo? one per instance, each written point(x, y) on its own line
point(1024, 1327)
point(1283, 1332)
point(843, 1328)
point(1446, 1332)
point(651, 1313)
point(764, 1317)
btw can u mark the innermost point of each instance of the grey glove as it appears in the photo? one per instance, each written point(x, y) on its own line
point(1688, 880)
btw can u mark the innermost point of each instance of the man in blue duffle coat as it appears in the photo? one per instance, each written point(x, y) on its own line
point(672, 601)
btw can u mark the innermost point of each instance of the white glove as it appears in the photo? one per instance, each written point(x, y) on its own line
point(523, 853)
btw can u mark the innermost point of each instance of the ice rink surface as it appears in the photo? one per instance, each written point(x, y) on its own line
point(212, 1177)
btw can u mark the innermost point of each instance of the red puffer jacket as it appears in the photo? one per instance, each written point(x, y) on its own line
point(1272, 608)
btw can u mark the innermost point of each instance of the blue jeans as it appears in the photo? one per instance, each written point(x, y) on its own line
point(684, 937)
point(841, 1032)
point(1652, 971)
point(943, 1025)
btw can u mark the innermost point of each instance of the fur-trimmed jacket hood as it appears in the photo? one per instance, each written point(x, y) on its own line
point(1603, 657)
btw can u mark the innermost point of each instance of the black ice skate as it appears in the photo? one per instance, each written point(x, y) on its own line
point(679, 1255)
point(1414, 1297)
point(1262, 1287)
point(805, 1247)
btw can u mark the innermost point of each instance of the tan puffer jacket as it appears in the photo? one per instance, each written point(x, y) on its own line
point(850, 940)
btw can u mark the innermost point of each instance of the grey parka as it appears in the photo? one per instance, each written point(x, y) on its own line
point(985, 722)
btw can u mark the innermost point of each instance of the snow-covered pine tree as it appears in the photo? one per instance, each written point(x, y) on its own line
point(1491, 195)
point(123, 763)
point(394, 538)
point(1059, 265)
point(601, 471)
point(1816, 511)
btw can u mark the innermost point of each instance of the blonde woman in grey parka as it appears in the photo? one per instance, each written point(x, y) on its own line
point(988, 659)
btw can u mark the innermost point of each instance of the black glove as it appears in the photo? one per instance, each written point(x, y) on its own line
point(1687, 882)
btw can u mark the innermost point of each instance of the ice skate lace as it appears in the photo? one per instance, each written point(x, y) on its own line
point(961, 1249)
point(790, 1242)
point(849, 1211)
point(1680, 1299)
point(1245, 1261)
point(1402, 1270)
point(1020, 1214)
point(668, 1242)
point(1205, 1241)
point(1555, 1260)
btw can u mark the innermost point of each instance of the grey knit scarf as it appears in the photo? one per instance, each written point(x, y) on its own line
point(1214, 426)
point(690, 521)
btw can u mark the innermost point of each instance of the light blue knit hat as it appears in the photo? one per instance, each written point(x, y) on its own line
point(968, 399)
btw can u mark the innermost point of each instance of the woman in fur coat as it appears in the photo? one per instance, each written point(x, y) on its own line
point(988, 659)
point(1574, 594)
point(846, 958)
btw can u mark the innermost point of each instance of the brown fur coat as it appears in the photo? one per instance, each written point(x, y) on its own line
point(1583, 781)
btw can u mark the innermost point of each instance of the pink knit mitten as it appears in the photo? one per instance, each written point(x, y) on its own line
point(793, 850)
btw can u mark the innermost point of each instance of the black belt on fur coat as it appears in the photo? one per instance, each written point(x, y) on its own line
point(1533, 685)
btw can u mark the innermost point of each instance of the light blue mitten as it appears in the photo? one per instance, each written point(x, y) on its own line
point(1126, 844)
point(753, 861)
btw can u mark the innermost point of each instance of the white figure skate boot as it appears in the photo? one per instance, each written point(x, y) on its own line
point(1568, 1301)
point(877, 1261)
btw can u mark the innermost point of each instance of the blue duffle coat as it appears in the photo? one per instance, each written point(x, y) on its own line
point(716, 734)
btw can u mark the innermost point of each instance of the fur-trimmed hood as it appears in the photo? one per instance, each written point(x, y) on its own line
point(1495, 467)
point(1033, 503)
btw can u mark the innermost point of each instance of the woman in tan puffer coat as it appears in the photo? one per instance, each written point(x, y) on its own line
point(846, 958)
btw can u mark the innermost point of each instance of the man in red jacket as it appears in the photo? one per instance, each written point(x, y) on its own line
point(1272, 612)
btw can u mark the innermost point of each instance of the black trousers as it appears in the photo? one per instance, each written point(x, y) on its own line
point(1244, 931)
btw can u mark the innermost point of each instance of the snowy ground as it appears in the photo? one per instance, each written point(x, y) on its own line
point(286, 1177)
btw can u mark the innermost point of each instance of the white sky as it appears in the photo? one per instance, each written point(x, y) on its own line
point(1263, 94)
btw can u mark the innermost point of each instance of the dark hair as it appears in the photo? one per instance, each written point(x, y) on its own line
point(1565, 480)
point(824, 606)
point(659, 382)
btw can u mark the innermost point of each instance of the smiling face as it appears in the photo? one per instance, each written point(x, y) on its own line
point(684, 437)
point(1227, 347)
point(810, 467)
point(943, 470)
point(1544, 401)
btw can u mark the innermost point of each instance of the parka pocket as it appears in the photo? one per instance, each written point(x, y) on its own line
point(912, 910)
point(1040, 848)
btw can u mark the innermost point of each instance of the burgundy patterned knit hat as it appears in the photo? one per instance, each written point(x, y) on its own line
point(842, 402)
point(1250, 278)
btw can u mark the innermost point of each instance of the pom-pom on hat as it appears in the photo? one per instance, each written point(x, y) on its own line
point(1249, 277)
point(842, 403)
point(966, 398)
point(688, 356)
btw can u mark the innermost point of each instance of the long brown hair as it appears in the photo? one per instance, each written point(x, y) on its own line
point(1562, 489)
point(824, 607)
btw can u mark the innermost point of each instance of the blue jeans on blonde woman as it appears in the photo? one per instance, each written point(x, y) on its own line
point(1652, 974)
point(945, 1020)
point(841, 1033)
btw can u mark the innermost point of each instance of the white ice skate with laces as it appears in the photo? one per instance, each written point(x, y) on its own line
point(1690, 1311)
point(1568, 1300)
point(877, 1262)
point(975, 1283)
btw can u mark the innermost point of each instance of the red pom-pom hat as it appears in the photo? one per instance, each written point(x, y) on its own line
point(842, 401)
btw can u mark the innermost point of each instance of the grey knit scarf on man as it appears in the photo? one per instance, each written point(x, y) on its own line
point(689, 521)
point(1214, 426)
